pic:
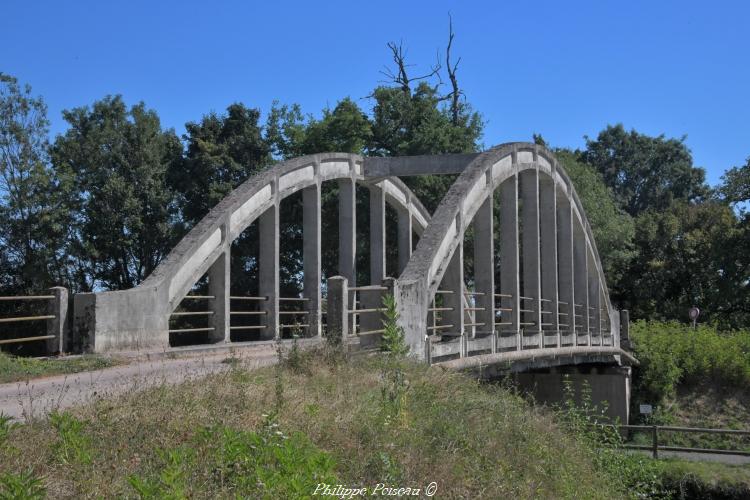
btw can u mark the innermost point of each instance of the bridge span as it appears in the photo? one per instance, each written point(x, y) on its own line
point(506, 272)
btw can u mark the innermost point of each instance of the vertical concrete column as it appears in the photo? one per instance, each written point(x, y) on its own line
point(338, 307)
point(412, 301)
point(595, 326)
point(548, 250)
point(509, 272)
point(311, 256)
point(268, 269)
point(377, 235)
point(58, 326)
point(348, 230)
point(453, 282)
point(484, 265)
point(531, 260)
point(581, 283)
point(218, 287)
point(404, 238)
point(565, 265)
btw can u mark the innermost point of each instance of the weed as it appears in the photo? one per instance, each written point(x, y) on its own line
point(23, 486)
point(6, 427)
point(74, 445)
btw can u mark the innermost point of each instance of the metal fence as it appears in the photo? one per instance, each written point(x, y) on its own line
point(56, 319)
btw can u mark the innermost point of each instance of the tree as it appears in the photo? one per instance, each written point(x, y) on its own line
point(345, 129)
point(33, 218)
point(125, 213)
point(688, 256)
point(613, 228)
point(223, 151)
point(736, 184)
point(645, 172)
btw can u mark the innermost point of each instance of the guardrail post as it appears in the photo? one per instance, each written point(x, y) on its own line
point(58, 325)
point(655, 440)
point(428, 349)
point(338, 306)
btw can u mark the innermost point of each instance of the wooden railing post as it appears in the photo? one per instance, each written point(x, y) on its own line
point(655, 441)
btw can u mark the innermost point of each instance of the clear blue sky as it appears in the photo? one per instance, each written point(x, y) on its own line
point(561, 69)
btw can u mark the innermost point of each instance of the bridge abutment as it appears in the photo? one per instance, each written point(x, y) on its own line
point(607, 387)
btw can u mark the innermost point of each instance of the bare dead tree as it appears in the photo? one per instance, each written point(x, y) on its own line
point(456, 91)
point(401, 77)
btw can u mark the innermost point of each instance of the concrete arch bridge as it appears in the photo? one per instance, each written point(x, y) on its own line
point(528, 293)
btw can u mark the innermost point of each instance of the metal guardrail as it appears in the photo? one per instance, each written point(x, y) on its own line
point(56, 320)
point(655, 447)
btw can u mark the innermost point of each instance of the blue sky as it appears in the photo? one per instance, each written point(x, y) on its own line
point(562, 69)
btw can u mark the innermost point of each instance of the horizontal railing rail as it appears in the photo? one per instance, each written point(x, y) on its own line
point(655, 447)
point(56, 318)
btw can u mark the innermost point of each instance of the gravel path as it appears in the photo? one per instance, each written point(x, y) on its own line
point(38, 397)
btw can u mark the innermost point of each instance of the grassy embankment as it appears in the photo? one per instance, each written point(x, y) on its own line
point(278, 432)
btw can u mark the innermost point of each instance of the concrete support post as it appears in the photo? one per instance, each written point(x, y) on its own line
point(549, 256)
point(595, 325)
point(377, 235)
point(625, 329)
point(218, 287)
point(581, 284)
point(268, 270)
point(484, 266)
point(531, 266)
point(453, 284)
point(58, 326)
point(567, 320)
point(338, 307)
point(348, 230)
point(509, 273)
point(404, 238)
point(311, 257)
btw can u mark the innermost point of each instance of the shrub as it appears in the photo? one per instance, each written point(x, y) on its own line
point(392, 340)
point(671, 353)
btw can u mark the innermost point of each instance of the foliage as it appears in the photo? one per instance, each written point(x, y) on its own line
point(634, 475)
point(613, 228)
point(267, 464)
point(21, 486)
point(73, 446)
point(736, 184)
point(392, 340)
point(645, 172)
point(6, 427)
point(32, 225)
point(222, 151)
point(671, 353)
point(686, 258)
point(118, 160)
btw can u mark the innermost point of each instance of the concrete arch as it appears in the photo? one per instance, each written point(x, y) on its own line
point(440, 248)
point(139, 318)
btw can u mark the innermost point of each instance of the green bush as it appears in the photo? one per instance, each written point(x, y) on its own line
point(671, 353)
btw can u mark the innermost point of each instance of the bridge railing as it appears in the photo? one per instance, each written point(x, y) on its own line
point(56, 319)
point(654, 447)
